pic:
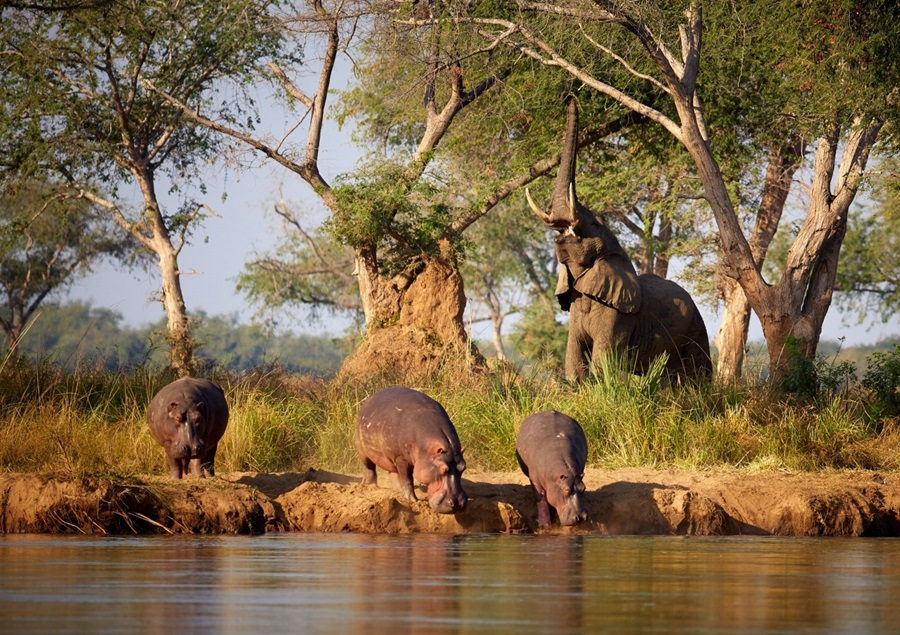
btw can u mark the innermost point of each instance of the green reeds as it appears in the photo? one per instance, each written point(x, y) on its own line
point(93, 421)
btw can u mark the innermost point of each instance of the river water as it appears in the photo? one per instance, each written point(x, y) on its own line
point(350, 583)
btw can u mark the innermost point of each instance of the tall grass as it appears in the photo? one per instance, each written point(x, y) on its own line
point(93, 421)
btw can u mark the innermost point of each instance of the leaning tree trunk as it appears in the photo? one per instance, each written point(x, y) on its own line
point(731, 341)
point(181, 343)
point(414, 321)
point(180, 339)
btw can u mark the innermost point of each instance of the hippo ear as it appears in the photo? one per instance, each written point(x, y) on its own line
point(173, 407)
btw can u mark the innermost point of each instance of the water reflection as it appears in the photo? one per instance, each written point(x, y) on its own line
point(310, 583)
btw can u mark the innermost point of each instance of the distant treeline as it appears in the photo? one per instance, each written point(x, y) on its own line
point(76, 333)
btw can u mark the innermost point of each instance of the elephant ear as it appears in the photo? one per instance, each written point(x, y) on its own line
point(613, 283)
point(562, 289)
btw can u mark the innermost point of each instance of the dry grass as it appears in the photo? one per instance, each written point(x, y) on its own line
point(95, 422)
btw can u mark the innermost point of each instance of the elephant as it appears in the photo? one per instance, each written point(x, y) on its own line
point(612, 309)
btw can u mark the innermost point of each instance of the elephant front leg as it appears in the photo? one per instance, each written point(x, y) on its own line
point(578, 357)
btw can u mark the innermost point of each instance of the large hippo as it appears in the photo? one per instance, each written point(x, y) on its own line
point(409, 434)
point(187, 418)
point(551, 450)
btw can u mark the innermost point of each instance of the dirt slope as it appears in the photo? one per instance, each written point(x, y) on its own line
point(626, 501)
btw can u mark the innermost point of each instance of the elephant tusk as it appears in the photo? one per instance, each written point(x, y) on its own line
point(570, 199)
point(534, 208)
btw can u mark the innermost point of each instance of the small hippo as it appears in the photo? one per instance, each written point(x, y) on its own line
point(551, 450)
point(187, 418)
point(409, 434)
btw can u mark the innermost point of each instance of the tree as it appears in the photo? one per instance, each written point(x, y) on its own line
point(308, 268)
point(509, 267)
point(48, 238)
point(402, 221)
point(75, 333)
point(868, 278)
point(830, 74)
point(80, 104)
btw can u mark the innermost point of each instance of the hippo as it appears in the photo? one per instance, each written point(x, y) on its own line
point(187, 418)
point(408, 433)
point(552, 450)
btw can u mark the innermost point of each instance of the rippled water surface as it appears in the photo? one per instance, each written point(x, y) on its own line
point(312, 583)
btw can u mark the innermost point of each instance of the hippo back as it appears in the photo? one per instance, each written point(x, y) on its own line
point(548, 439)
point(395, 417)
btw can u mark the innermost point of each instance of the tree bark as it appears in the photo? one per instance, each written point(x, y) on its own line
point(731, 341)
point(179, 336)
point(181, 342)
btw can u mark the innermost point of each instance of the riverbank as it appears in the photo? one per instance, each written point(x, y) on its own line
point(620, 501)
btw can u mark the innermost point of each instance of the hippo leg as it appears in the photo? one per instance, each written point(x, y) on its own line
point(405, 480)
point(208, 464)
point(175, 468)
point(196, 471)
point(543, 510)
point(369, 476)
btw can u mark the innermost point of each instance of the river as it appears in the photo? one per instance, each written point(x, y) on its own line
point(353, 583)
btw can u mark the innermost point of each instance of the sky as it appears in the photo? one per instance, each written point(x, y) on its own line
point(246, 226)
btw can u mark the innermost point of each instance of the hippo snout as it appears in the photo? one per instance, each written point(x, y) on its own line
point(444, 503)
point(573, 512)
point(188, 451)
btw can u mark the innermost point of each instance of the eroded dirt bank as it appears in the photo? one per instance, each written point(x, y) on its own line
point(627, 501)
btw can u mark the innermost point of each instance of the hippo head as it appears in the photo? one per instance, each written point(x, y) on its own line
point(565, 496)
point(442, 472)
point(189, 419)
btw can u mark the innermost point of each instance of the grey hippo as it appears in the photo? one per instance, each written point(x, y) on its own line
point(552, 450)
point(188, 418)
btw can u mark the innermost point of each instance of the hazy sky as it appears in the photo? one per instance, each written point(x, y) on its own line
point(246, 226)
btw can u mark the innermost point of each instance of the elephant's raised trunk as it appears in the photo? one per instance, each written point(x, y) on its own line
point(563, 205)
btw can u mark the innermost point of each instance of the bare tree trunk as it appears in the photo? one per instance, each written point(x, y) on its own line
point(497, 332)
point(181, 342)
point(731, 341)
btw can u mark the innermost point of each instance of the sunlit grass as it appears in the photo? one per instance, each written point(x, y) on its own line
point(92, 421)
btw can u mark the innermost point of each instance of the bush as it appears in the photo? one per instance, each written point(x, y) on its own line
point(882, 380)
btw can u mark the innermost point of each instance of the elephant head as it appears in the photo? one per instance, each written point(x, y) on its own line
point(594, 263)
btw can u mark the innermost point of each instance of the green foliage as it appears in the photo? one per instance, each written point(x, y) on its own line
point(882, 379)
point(538, 337)
point(83, 77)
point(308, 269)
point(384, 210)
point(796, 373)
point(48, 238)
point(868, 278)
point(76, 335)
